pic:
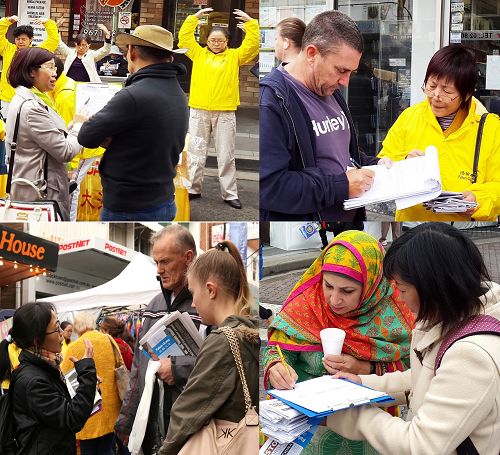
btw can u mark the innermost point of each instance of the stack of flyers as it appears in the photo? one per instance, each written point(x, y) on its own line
point(449, 202)
point(173, 335)
point(281, 422)
point(72, 384)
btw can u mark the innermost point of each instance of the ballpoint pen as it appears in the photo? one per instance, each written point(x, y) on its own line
point(355, 163)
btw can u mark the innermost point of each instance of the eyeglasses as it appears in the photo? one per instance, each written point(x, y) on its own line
point(444, 98)
point(48, 66)
point(218, 41)
point(82, 45)
point(58, 329)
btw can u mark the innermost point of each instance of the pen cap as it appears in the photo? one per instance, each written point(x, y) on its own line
point(332, 340)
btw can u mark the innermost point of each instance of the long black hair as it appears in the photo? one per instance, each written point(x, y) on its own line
point(447, 270)
point(30, 323)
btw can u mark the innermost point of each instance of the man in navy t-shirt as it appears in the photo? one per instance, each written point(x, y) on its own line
point(307, 137)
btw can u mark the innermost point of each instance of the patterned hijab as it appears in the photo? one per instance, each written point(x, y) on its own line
point(377, 330)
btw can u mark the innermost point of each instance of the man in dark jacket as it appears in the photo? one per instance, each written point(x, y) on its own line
point(143, 129)
point(173, 251)
point(307, 137)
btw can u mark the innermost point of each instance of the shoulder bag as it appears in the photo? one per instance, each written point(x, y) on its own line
point(221, 436)
point(122, 375)
point(477, 150)
point(42, 210)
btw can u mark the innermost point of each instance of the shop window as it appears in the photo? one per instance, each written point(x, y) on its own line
point(86, 14)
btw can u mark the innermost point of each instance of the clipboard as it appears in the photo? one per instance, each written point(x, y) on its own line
point(301, 400)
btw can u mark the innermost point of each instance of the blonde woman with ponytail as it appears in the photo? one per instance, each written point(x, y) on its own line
point(221, 295)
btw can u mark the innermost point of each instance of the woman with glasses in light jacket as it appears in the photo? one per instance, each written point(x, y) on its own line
point(449, 119)
point(80, 64)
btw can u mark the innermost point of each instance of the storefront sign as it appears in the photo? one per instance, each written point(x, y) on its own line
point(481, 35)
point(65, 281)
point(105, 246)
point(217, 232)
point(28, 11)
point(27, 249)
point(457, 7)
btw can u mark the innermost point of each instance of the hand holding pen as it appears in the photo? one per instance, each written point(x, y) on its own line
point(360, 180)
point(281, 375)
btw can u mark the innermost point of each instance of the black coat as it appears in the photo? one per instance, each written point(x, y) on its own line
point(46, 419)
point(147, 122)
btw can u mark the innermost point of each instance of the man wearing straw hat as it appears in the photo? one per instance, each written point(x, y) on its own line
point(143, 128)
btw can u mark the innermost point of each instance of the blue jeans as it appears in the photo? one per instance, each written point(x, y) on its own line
point(98, 446)
point(165, 212)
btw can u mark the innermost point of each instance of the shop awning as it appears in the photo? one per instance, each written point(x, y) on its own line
point(95, 256)
point(24, 256)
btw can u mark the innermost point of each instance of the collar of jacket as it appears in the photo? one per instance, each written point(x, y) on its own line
point(159, 70)
point(32, 359)
point(247, 327)
point(180, 297)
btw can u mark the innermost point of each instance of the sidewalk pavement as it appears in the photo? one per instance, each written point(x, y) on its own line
point(211, 206)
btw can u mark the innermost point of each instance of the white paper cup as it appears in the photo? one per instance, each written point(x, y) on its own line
point(332, 340)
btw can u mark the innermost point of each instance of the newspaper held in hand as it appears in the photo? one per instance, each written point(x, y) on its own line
point(173, 335)
point(72, 384)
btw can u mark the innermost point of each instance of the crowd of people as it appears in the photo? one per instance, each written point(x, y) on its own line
point(35, 367)
point(142, 150)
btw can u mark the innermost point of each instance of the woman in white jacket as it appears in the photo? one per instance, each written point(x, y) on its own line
point(442, 277)
point(80, 64)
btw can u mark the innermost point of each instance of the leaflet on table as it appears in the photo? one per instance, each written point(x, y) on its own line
point(72, 384)
point(273, 447)
point(173, 335)
point(320, 397)
point(408, 182)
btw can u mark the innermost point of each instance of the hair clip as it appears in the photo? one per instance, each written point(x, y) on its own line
point(220, 246)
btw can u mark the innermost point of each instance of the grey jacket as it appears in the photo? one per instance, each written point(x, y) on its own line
point(181, 365)
point(42, 135)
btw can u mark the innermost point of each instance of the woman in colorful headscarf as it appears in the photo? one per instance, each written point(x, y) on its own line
point(343, 288)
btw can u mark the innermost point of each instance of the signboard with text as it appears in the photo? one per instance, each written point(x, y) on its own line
point(28, 11)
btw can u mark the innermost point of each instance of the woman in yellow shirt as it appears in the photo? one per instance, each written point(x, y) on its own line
point(97, 436)
point(449, 119)
point(214, 97)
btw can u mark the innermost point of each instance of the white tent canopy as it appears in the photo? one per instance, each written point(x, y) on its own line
point(135, 285)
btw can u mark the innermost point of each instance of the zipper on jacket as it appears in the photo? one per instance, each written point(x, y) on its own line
point(278, 95)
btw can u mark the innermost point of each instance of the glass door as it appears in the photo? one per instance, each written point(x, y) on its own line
point(476, 24)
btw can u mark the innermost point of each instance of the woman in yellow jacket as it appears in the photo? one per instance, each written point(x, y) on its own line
point(23, 37)
point(214, 97)
point(97, 436)
point(449, 119)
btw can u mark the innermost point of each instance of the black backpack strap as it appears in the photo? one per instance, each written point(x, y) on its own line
point(478, 147)
point(467, 447)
